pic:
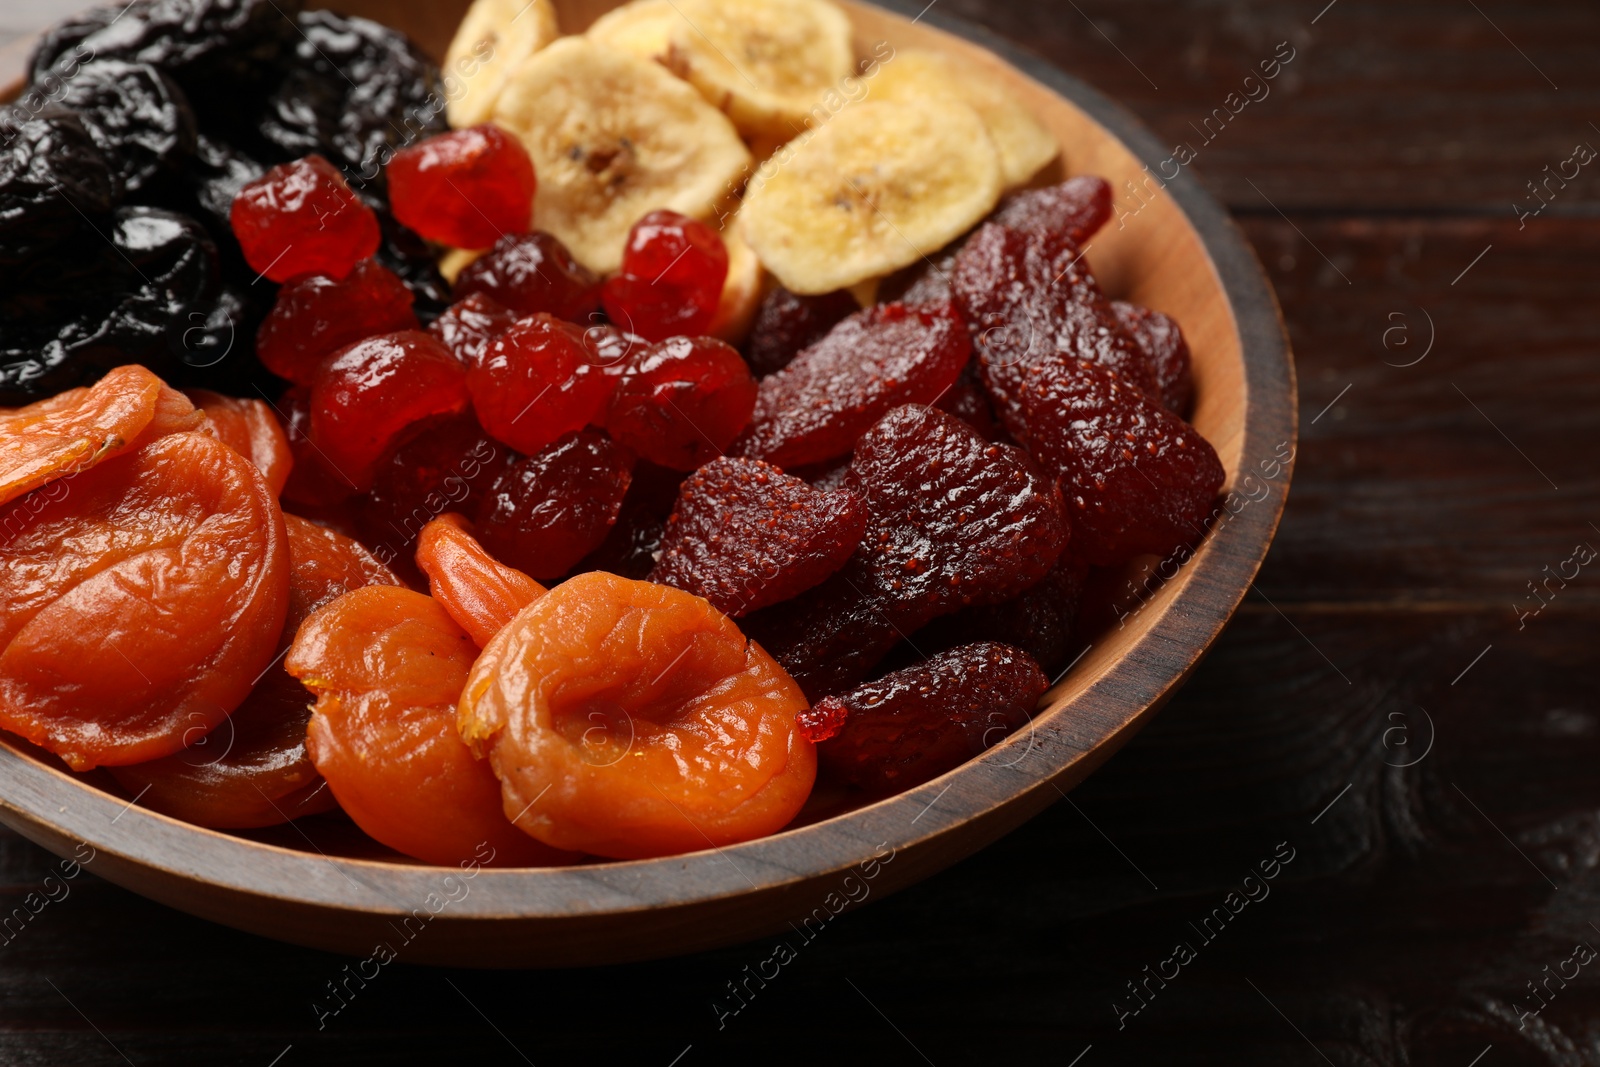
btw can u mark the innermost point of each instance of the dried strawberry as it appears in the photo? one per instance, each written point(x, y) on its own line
point(318, 314)
point(877, 359)
point(786, 322)
point(1161, 340)
point(673, 269)
point(449, 467)
point(548, 511)
point(917, 723)
point(470, 325)
point(953, 521)
point(682, 402)
point(1040, 621)
point(537, 382)
point(466, 188)
point(1068, 213)
point(303, 218)
point(967, 401)
point(745, 535)
point(530, 273)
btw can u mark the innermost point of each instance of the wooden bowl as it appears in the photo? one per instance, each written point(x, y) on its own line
point(318, 883)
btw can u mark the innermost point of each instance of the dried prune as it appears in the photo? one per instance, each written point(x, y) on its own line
point(466, 188)
point(917, 723)
point(530, 273)
point(787, 322)
point(548, 511)
point(745, 535)
point(355, 90)
point(1161, 340)
point(405, 253)
point(450, 467)
point(137, 115)
point(537, 382)
point(215, 175)
point(682, 402)
point(52, 175)
point(318, 314)
point(953, 521)
point(877, 359)
point(1039, 621)
point(673, 269)
point(470, 325)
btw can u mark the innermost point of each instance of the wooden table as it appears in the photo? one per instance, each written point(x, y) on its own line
point(1389, 710)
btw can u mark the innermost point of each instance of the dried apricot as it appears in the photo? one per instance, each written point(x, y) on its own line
point(480, 594)
point(74, 430)
point(388, 666)
point(631, 720)
point(139, 602)
point(252, 769)
point(251, 429)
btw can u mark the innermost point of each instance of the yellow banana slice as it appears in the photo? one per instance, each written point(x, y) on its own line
point(456, 260)
point(1025, 146)
point(742, 292)
point(642, 28)
point(493, 39)
point(612, 137)
point(879, 187)
point(767, 63)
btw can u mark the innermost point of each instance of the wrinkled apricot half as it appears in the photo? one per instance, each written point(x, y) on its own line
point(387, 666)
point(252, 770)
point(251, 429)
point(138, 601)
point(481, 594)
point(632, 720)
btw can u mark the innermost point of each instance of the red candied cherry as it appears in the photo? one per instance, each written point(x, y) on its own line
point(468, 327)
point(313, 482)
point(682, 401)
point(536, 382)
point(450, 467)
point(465, 188)
point(530, 273)
point(318, 314)
point(369, 396)
point(301, 218)
point(673, 270)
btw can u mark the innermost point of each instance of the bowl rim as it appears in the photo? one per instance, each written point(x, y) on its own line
point(1021, 772)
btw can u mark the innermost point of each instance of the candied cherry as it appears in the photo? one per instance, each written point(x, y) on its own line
point(548, 511)
point(447, 467)
point(155, 590)
point(537, 382)
point(369, 396)
point(630, 720)
point(673, 270)
point(470, 325)
point(303, 218)
point(682, 401)
point(481, 594)
point(250, 429)
point(387, 666)
point(530, 273)
point(466, 188)
point(317, 314)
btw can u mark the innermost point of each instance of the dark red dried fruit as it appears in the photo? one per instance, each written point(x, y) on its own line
point(1069, 213)
point(967, 401)
point(302, 218)
point(786, 322)
point(682, 401)
point(537, 382)
point(313, 482)
point(548, 511)
point(317, 314)
point(1039, 621)
point(370, 396)
point(530, 273)
point(465, 188)
point(917, 723)
point(631, 548)
point(469, 326)
point(450, 467)
point(673, 269)
point(953, 521)
point(1161, 340)
point(745, 535)
point(876, 360)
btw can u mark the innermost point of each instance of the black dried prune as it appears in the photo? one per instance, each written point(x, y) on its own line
point(355, 91)
point(408, 255)
point(216, 175)
point(177, 265)
point(52, 178)
point(137, 115)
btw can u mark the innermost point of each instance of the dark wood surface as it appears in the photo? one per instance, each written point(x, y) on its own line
point(1421, 900)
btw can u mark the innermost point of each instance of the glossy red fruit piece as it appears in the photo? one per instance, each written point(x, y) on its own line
point(466, 188)
point(448, 467)
point(530, 273)
point(313, 482)
point(967, 401)
point(673, 270)
point(786, 322)
point(470, 325)
point(876, 360)
point(549, 510)
point(745, 535)
point(369, 396)
point(915, 724)
point(682, 401)
point(1161, 340)
point(537, 382)
point(317, 314)
point(302, 218)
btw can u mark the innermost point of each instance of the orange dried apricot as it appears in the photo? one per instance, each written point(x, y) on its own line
point(387, 666)
point(481, 594)
point(74, 430)
point(631, 720)
point(139, 601)
point(252, 769)
point(251, 429)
